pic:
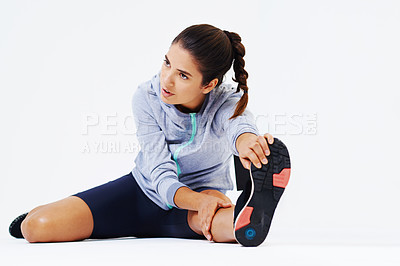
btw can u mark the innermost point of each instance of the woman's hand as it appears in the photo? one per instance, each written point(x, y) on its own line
point(205, 203)
point(253, 149)
point(207, 208)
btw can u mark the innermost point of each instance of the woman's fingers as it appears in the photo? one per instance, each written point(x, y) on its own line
point(208, 227)
point(260, 156)
point(204, 229)
point(208, 216)
point(259, 151)
point(254, 159)
point(264, 146)
point(254, 149)
point(256, 155)
point(245, 162)
point(269, 137)
point(206, 224)
point(225, 204)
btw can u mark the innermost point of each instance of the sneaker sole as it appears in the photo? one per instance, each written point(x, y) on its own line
point(15, 226)
point(267, 186)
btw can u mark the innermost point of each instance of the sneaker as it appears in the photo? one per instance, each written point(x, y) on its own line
point(15, 226)
point(256, 205)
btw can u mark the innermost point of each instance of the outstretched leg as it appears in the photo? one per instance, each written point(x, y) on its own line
point(69, 219)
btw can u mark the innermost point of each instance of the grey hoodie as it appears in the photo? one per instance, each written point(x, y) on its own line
point(179, 149)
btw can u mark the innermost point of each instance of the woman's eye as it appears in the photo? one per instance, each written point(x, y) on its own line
point(183, 76)
point(166, 62)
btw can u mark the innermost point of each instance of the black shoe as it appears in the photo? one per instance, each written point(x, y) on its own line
point(256, 205)
point(15, 226)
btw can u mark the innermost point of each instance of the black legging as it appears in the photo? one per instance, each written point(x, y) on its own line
point(121, 209)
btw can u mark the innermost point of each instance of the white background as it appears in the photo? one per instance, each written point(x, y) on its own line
point(323, 77)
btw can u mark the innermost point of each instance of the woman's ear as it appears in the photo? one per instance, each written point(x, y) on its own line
point(210, 86)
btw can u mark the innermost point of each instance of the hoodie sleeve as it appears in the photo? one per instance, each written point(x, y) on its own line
point(233, 128)
point(157, 164)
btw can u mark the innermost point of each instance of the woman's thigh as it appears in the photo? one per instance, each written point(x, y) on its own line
point(121, 209)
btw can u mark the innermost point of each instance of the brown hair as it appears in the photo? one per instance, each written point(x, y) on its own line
point(215, 50)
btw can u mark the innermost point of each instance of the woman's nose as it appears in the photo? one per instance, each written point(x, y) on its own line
point(168, 82)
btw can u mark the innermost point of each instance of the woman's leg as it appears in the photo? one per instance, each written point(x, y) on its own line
point(222, 223)
point(105, 211)
point(68, 219)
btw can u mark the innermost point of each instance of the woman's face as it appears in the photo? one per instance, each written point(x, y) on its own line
point(182, 79)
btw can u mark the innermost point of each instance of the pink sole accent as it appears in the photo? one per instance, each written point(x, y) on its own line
point(281, 179)
point(244, 218)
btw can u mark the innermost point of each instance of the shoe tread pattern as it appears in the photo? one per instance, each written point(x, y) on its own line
point(265, 197)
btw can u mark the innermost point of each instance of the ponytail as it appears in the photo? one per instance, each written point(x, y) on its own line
point(241, 74)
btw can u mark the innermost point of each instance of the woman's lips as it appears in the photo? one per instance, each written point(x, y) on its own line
point(165, 93)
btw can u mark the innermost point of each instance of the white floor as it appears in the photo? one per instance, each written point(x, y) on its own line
point(167, 251)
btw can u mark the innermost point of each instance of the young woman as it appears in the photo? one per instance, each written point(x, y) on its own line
point(189, 124)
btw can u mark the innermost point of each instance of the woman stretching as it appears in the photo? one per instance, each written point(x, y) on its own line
point(189, 124)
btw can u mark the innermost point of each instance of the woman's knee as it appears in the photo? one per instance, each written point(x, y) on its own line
point(69, 219)
point(35, 226)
